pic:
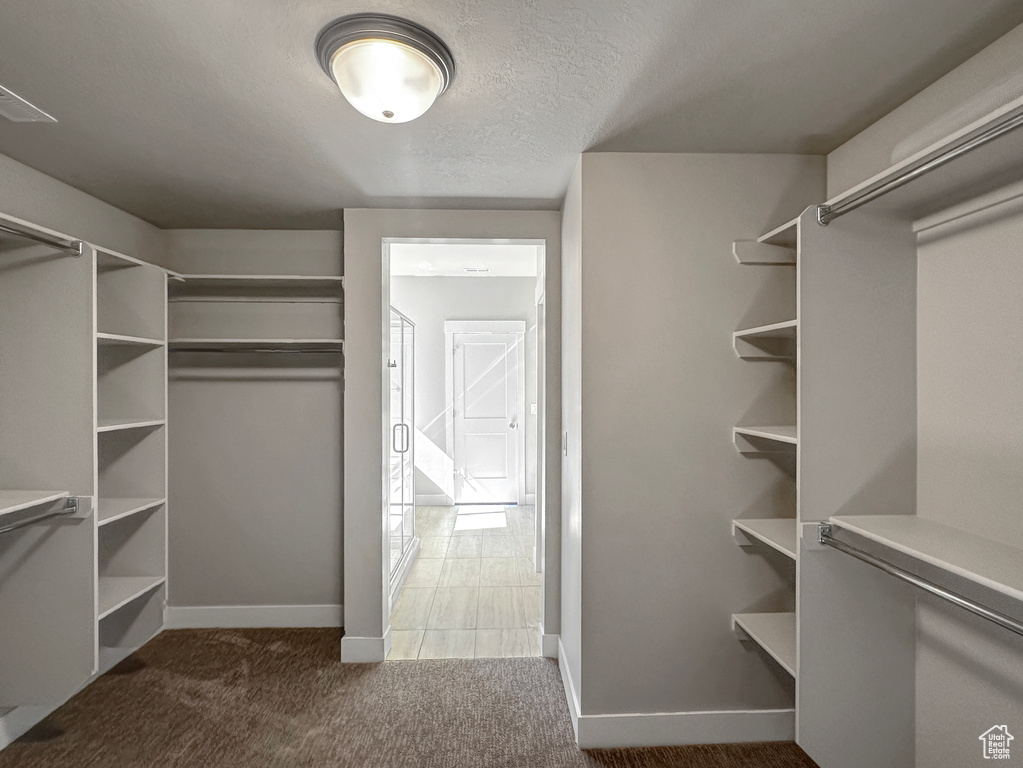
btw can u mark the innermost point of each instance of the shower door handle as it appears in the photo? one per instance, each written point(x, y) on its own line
point(406, 438)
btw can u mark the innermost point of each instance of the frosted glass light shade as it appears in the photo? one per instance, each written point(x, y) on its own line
point(387, 80)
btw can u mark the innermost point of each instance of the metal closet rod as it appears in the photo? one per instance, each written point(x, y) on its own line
point(926, 164)
point(825, 538)
point(71, 247)
point(70, 507)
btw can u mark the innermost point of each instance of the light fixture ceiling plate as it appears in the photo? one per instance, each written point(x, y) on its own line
point(381, 26)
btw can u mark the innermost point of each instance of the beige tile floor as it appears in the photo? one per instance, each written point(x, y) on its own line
point(473, 591)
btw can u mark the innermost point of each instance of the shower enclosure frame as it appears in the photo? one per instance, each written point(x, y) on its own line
point(401, 444)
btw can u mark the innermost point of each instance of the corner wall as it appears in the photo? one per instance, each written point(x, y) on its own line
point(255, 527)
point(652, 388)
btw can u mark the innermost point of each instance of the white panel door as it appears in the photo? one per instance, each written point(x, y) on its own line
point(487, 369)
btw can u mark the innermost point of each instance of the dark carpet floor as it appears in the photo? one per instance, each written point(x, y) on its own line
point(281, 699)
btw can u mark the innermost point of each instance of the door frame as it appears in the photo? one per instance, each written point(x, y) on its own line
point(484, 327)
point(368, 235)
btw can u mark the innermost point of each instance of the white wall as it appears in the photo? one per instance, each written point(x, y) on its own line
point(969, 468)
point(255, 442)
point(870, 152)
point(652, 389)
point(570, 453)
point(366, 306)
point(33, 196)
point(429, 302)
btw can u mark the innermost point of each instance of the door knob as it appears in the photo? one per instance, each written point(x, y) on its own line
point(513, 425)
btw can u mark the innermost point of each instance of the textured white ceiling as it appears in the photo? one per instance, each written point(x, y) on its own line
point(199, 113)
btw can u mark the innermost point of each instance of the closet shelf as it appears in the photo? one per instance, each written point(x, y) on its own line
point(774, 632)
point(117, 339)
point(777, 247)
point(117, 509)
point(786, 235)
point(258, 345)
point(978, 559)
point(18, 501)
point(117, 591)
point(777, 533)
point(107, 259)
point(776, 341)
point(773, 439)
point(113, 425)
point(256, 282)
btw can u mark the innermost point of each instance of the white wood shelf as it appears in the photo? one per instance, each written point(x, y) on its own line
point(777, 533)
point(17, 501)
point(117, 591)
point(117, 509)
point(257, 282)
point(117, 339)
point(979, 559)
point(786, 235)
point(108, 259)
point(256, 345)
point(775, 248)
point(113, 425)
point(781, 439)
point(774, 632)
point(776, 341)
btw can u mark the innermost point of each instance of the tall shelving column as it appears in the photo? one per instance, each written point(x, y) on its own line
point(777, 342)
point(47, 550)
point(131, 469)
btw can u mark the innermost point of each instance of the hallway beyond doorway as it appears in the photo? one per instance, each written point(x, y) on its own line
point(473, 591)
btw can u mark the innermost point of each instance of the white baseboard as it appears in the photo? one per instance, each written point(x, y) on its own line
point(251, 616)
point(549, 646)
point(366, 650)
point(570, 691)
point(434, 500)
point(662, 729)
point(20, 720)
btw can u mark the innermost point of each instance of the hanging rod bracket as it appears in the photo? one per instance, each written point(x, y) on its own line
point(71, 507)
point(76, 249)
point(824, 214)
point(823, 532)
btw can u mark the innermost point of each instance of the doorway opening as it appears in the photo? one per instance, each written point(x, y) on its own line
point(465, 436)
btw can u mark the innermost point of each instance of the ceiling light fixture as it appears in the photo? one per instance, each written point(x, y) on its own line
point(388, 68)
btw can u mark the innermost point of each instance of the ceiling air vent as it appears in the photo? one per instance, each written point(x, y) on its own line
point(17, 110)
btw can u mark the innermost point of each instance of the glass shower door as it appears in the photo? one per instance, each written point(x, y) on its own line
point(401, 503)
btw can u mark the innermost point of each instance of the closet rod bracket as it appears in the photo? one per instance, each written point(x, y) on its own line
point(823, 533)
point(71, 507)
point(823, 214)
